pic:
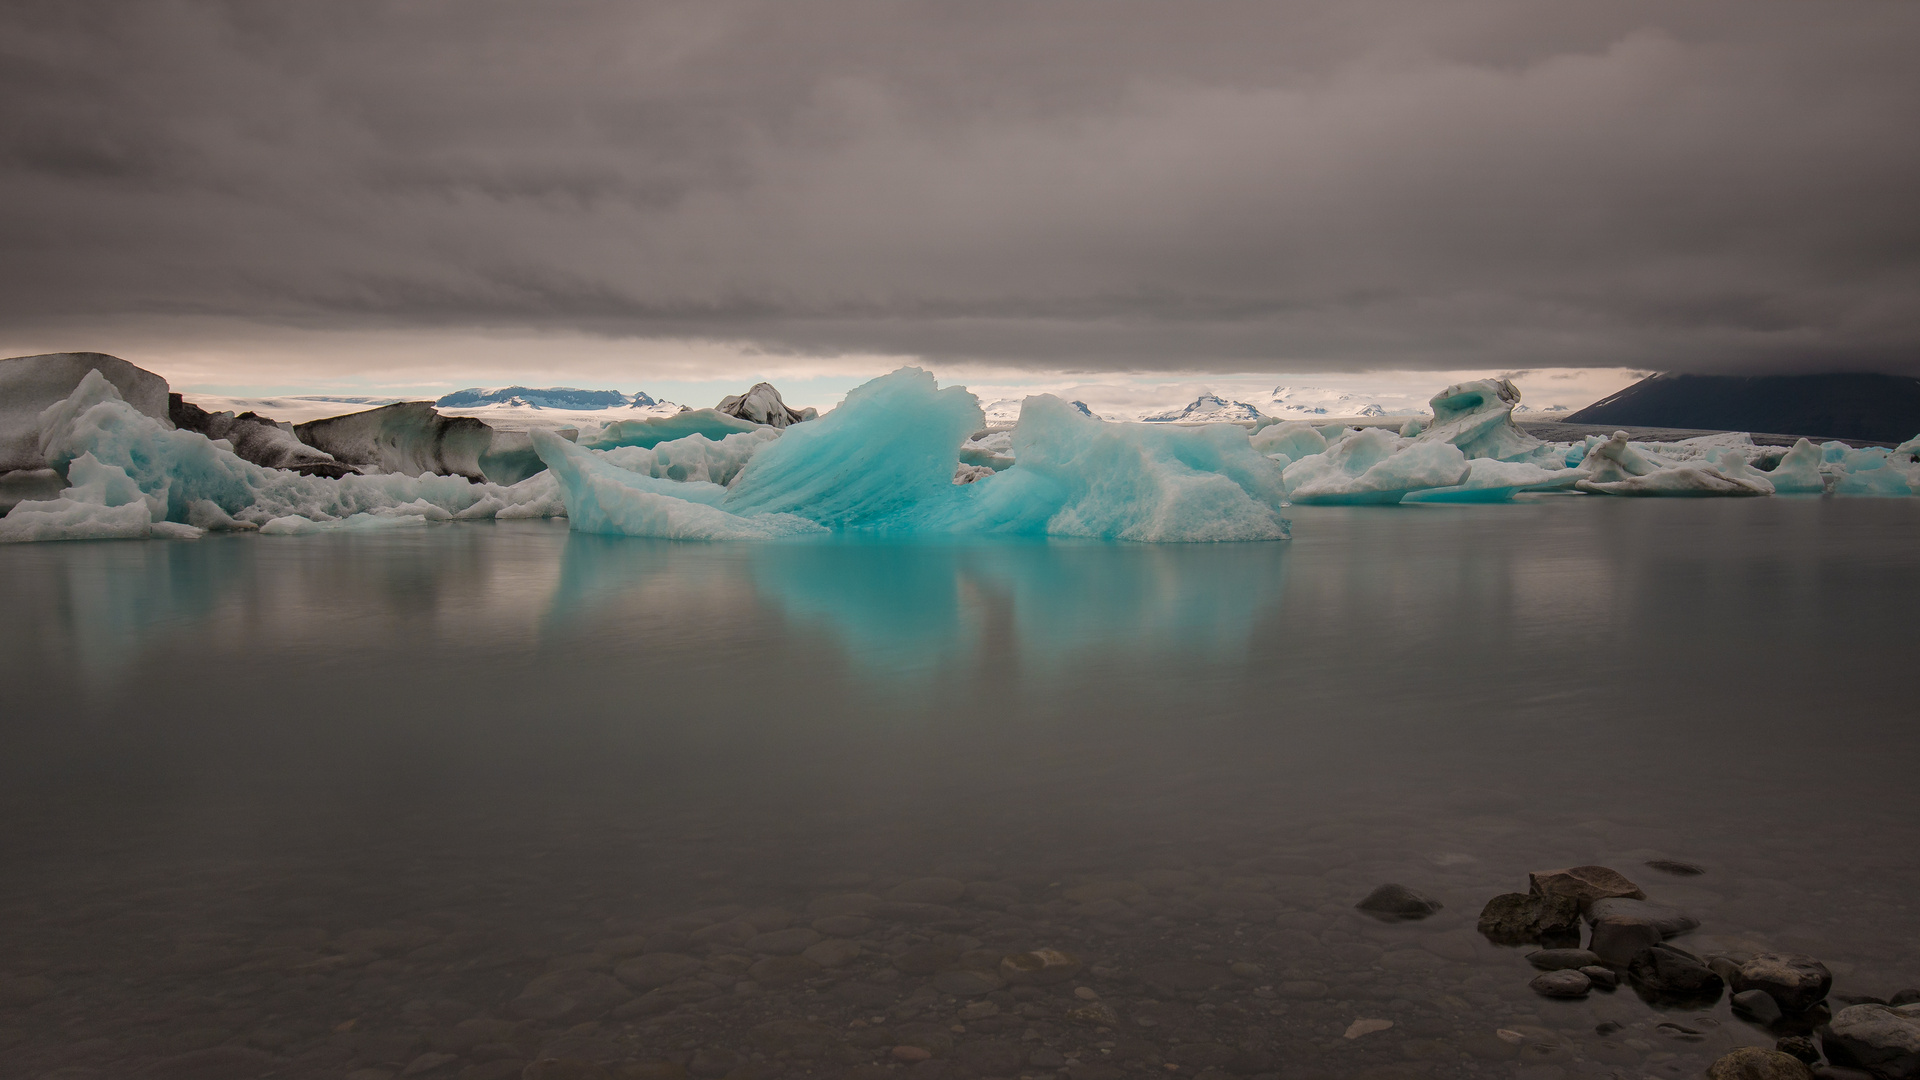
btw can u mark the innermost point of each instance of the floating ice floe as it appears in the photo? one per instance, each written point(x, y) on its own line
point(901, 456)
point(1373, 465)
point(1617, 467)
point(884, 461)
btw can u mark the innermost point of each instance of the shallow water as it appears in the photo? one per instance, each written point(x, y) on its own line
point(304, 806)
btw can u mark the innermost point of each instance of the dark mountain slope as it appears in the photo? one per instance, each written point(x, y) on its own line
point(1851, 406)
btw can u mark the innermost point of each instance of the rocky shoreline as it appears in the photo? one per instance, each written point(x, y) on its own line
point(966, 973)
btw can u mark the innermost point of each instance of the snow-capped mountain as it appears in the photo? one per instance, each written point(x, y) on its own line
point(553, 397)
point(1303, 401)
point(1207, 408)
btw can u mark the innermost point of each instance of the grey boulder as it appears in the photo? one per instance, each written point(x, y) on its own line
point(1565, 983)
point(1882, 1039)
point(1796, 982)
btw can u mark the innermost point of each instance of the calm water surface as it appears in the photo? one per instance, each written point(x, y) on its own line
point(352, 805)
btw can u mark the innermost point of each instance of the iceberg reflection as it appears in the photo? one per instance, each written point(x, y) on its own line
point(939, 603)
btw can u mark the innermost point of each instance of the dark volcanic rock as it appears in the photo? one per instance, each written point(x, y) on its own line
point(1528, 918)
point(1393, 903)
point(1879, 1038)
point(1584, 883)
point(1799, 1046)
point(1667, 974)
point(1797, 983)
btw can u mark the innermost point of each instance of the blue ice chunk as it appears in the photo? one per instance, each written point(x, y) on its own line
point(1076, 476)
point(1798, 472)
point(883, 460)
point(655, 430)
point(103, 503)
point(602, 497)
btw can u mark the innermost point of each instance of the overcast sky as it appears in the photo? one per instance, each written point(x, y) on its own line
point(1040, 186)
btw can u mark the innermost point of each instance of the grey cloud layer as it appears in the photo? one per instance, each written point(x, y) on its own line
point(1104, 185)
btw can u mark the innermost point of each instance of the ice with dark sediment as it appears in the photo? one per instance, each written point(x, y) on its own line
point(901, 456)
point(762, 404)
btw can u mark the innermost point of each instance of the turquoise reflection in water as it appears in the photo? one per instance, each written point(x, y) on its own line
point(899, 606)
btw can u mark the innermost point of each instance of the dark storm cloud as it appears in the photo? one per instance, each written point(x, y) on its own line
point(1702, 186)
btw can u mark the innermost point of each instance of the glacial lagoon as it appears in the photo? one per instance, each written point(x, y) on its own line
point(424, 801)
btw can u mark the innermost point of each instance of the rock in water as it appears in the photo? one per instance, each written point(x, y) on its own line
point(1676, 867)
point(1756, 1063)
point(1603, 978)
point(1392, 903)
point(1041, 967)
point(1618, 939)
point(1799, 1046)
point(1879, 1038)
point(1755, 1005)
point(1669, 921)
point(1796, 982)
point(1531, 919)
point(763, 405)
point(28, 384)
point(1561, 984)
point(1560, 959)
point(1584, 884)
point(1664, 973)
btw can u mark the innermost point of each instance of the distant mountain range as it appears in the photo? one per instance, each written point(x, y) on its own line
point(552, 397)
point(1207, 408)
point(1847, 406)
